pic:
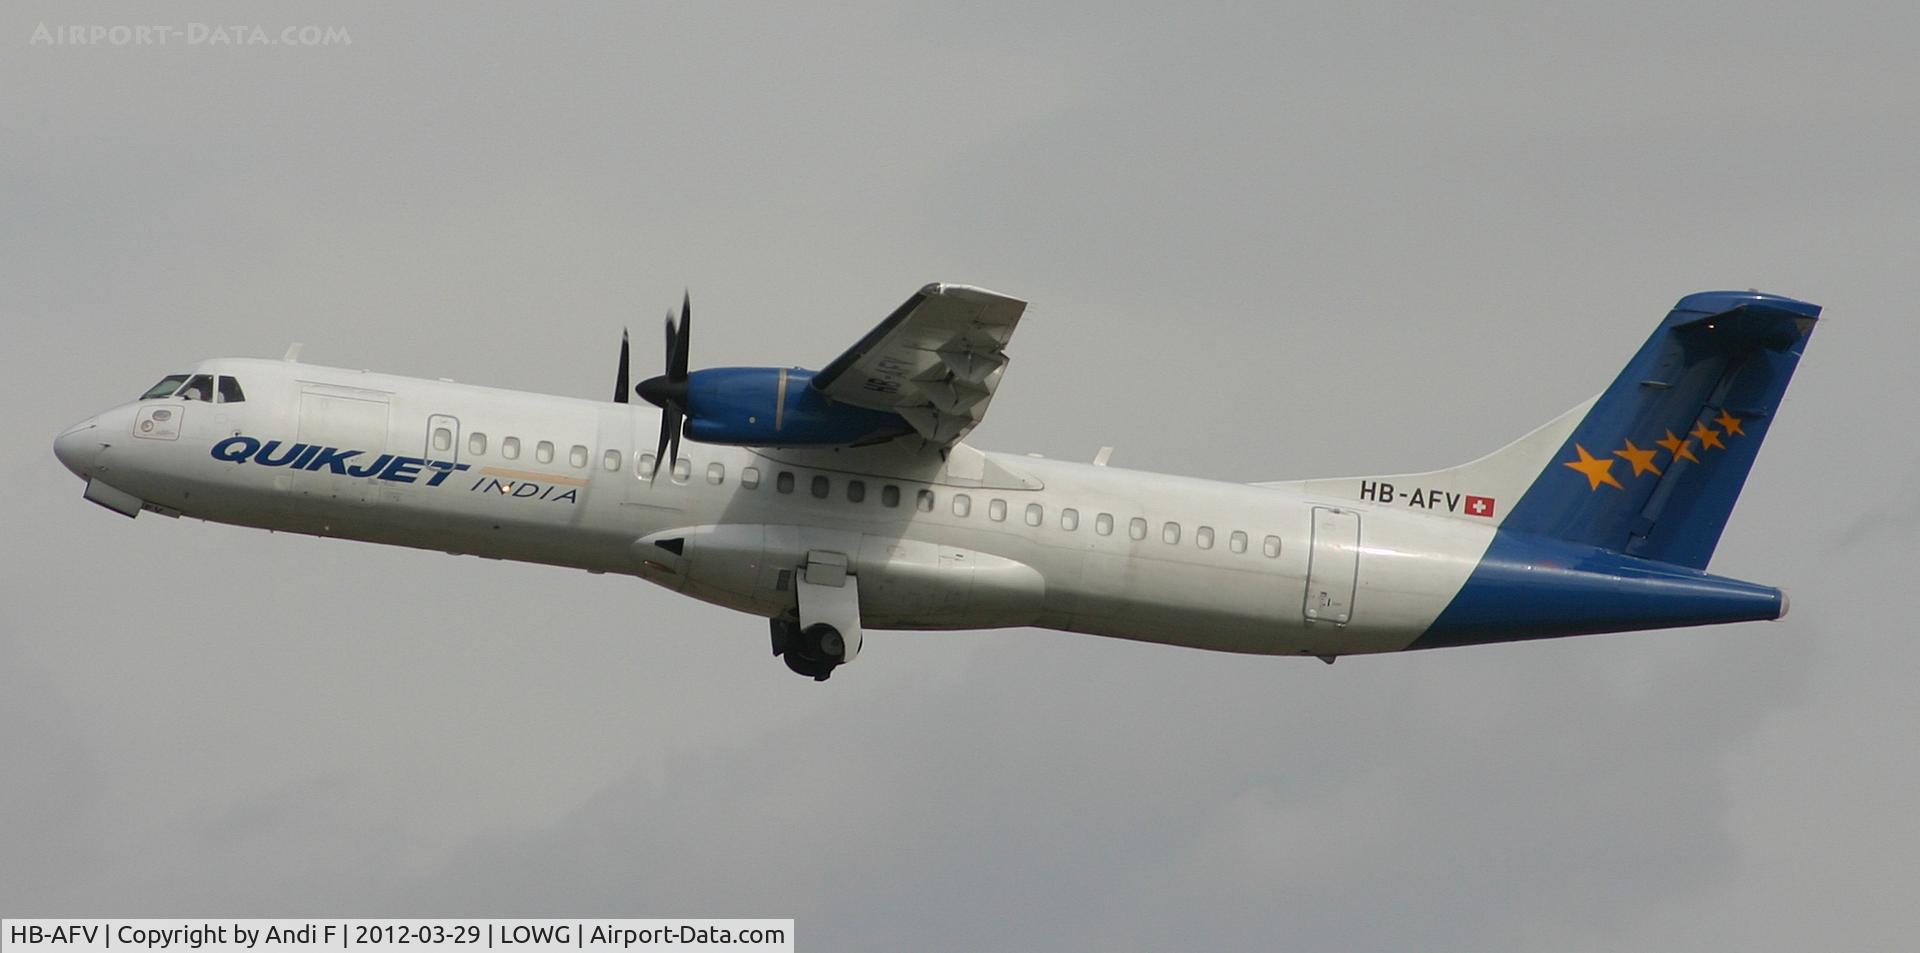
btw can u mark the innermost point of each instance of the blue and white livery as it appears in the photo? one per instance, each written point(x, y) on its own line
point(847, 499)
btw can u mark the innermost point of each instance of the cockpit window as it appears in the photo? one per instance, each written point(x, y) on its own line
point(230, 391)
point(199, 387)
point(166, 387)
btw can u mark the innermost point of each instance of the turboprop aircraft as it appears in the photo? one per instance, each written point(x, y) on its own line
point(835, 501)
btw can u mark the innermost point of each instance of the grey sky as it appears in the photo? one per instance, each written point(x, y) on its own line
point(1261, 242)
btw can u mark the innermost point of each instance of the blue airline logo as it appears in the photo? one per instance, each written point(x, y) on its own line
point(314, 458)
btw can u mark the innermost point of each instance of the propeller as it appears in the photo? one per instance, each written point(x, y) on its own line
point(669, 391)
point(620, 390)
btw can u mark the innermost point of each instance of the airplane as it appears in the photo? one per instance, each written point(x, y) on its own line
point(834, 501)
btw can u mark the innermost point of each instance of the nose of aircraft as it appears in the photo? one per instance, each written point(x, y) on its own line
point(78, 447)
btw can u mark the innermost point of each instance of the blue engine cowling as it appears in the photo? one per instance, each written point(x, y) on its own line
point(747, 406)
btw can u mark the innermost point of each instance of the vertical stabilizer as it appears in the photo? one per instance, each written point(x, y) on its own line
point(1656, 464)
point(1651, 467)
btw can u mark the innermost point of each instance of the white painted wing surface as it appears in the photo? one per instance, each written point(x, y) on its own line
point(935, 360)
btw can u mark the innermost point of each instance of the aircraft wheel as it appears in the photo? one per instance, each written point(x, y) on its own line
point(814, 651)
point(810, 667)
point(786, 633)
point(827, 642)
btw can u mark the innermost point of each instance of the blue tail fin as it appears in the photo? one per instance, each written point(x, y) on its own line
point(1654, 467)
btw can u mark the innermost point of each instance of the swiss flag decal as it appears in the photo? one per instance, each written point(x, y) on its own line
point(1479, 506)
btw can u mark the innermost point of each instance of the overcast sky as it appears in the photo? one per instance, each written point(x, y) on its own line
point(1261, 241)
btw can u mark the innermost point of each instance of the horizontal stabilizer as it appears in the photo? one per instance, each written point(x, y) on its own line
point(1531, 588)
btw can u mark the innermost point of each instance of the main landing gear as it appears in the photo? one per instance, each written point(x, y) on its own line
point(826, 634)
point(814, 651)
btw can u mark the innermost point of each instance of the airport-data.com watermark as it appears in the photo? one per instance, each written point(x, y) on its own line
point(185, 35)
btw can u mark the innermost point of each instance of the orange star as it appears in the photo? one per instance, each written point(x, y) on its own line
point(1678, 447)
point(1729, 423)
point(1709, 437)
point(1642, 460)
point(1596, 471)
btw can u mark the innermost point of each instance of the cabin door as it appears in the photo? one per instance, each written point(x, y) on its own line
point(1333, 565)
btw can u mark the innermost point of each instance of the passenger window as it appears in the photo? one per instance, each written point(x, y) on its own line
point(784, 482)
point(611, 461)
point(543, 451)
point(1237, 542)
point(1272, 547)
point(1103, 524)
point(924, 500)
point(199, 387)
point(230, 391)
point(821, 487)
point(1069, 519)
point(166, 387)
point(716, 473)
point(1137, 528)
point(890, 495)
point(1204, 537)
point(577, 456)
point(1170, 533)
point(643, 467)
point(477, 443)
point(962, 504)
point(510, 448)
point(856, 490)
point(997, 510)
point(750, 478)
point(682, 470)
point(1035, 514)
point(442, 438)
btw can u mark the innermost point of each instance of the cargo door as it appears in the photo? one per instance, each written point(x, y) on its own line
point(666, 491)
point(344, 424)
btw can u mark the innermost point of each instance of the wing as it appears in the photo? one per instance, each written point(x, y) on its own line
point(934, 361)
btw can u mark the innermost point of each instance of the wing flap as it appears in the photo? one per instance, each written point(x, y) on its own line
point(935, 361)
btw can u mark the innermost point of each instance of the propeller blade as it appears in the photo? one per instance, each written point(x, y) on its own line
point(677, 370)
point(669, 391)
point(673, 454)
point(620, 388)
point(673, 341)
point(669, 431)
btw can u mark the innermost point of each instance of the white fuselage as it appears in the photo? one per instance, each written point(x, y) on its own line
point(979, 540)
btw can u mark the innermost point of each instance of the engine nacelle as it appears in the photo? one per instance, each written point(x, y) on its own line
point(777, 407)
